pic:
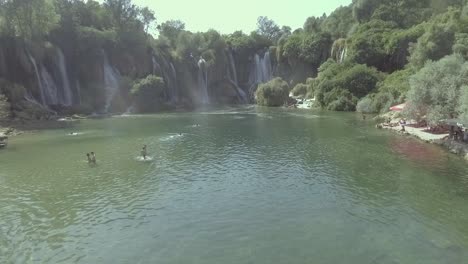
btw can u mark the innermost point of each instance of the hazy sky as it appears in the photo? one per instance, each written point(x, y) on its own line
point(229, 16)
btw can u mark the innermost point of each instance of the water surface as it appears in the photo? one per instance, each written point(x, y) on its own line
point(245, 185)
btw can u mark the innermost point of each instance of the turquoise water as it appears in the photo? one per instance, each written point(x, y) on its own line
point(248, 185)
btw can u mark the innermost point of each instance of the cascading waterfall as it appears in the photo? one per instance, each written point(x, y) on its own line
point(232, 77)
point(203, 81)
point(339, 50)
point(66, 95)
point(174, 89)
point(50, 90)
point(343, 54)
point(111, 81)
point(38, 78)
point(169, 75)
point(261, 71)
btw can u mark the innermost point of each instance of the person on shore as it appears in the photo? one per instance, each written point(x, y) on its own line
point(144, 152)
point(403, 124)
point(93, 158)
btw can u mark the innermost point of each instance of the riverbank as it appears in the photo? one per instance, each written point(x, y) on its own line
point(443, 140)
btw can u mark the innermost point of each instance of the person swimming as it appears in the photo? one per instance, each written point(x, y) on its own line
point(144, 153)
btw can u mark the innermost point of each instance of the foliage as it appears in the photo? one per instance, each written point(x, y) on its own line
point(30, 19)
point(273, 93)
point(147, 93)
point(436, 89)
point(365, 106)
point(268, 28)
point(300, 89)
point(343, 84)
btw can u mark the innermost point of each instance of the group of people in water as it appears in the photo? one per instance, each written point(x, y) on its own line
point(91, 158)
point(144, 151)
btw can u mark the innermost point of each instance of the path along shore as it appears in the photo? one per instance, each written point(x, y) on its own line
point(443, 140)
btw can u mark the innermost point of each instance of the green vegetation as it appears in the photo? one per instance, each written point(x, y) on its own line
point(365, 56)
point(272, 93)
point(147, 93)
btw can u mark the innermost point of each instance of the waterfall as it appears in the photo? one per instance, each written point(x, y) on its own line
point(343, 55)
point(169, 75)
point(174, 89)
point(38, 78)
point(66, 95)
point(50, 90)
point(232, 68)
point(339, 50)
point(232, 77)
point(111, 81)
point(261, 71)
point(203, 81)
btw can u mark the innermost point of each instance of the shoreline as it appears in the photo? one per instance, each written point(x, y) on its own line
point(455, 147)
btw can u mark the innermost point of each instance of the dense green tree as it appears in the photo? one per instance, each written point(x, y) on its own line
point(436, 89)
point(268, 28)
point(147, 18)
point(148, 93)
point(272, 93)
point(30, 19)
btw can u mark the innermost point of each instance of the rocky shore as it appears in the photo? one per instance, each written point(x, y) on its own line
point(443, 140)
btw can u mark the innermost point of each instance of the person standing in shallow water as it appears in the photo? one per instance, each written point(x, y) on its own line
point(144, 153)
point(89, 158)
point(93, 158)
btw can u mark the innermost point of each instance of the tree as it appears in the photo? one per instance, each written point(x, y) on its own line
point(123, 11)
point(272, 93)
point(148, 93)
point(171, 30)
point(147, 18)
point(436, 89)
point(31, 19)
point(268, 28)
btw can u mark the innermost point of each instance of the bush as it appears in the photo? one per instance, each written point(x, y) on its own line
point(346, 102)
point(365, 105)
point(382, 102)
point(273, 93)
point(148, 93)
point(436, 89)
point(300, 90)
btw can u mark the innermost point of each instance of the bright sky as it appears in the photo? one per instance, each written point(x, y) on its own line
point(229, 16)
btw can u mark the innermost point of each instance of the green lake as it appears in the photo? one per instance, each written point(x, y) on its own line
point(248, 185)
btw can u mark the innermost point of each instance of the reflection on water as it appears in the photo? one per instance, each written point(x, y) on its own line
point(275, 186)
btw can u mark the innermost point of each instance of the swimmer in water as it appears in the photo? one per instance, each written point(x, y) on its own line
point(144, 153)
point(89, 158)
point(93, 157)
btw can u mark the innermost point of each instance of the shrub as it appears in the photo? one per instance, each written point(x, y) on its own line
point(365, 105)
point(300, 90)
point(148, 93)
point(272, 93)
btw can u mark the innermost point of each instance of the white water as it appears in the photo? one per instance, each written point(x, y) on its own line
point(111, 81)
point(261, 71)
point(232, 76)
point(169, 75)
point(203, 82)
point(38, 78)
point(66, 96)
point(343, 54)
point(50, 90)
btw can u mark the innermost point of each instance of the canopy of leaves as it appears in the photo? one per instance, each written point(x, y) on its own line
point(273, 93)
